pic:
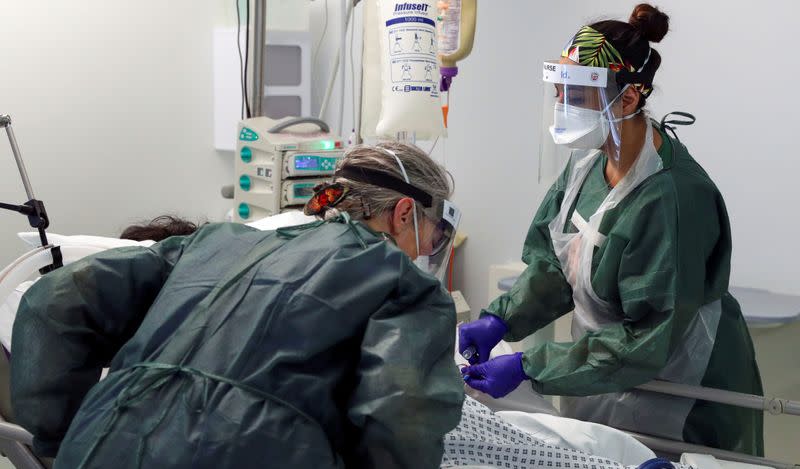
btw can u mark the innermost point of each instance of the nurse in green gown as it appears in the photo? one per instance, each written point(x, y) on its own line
point(633, 237)
point(318, 346)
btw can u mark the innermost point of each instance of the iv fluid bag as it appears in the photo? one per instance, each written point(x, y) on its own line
point(409, 69)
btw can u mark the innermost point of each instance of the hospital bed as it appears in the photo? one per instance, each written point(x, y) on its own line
point(521, 408)
point(524, 401)
point(14, 440)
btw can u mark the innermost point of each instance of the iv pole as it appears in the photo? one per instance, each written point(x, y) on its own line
point(259, 44)
point(33, 208)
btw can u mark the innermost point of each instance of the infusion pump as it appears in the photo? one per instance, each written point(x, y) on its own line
point(278, 164)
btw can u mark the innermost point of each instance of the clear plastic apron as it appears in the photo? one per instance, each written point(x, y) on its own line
point(641, 411)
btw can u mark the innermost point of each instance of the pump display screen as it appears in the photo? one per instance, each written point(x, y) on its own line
point(315, 163)
point(306, 162)
point(303, 191)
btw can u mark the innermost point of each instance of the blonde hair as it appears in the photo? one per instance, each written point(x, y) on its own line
point(367, 200)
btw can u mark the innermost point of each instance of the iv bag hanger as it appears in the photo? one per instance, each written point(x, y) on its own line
point(33, 208)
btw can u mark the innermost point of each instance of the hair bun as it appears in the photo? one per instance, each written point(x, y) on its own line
point(651, 22)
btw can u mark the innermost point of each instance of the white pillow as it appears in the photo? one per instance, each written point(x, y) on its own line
point(706, 461)
point(8, 312)
point(32, 239)
point(274, 222)
point(282, 220)
point(588, 437)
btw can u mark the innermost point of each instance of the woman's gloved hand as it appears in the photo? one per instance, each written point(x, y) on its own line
point(478, 338)
point(656, 463)
point(497, 377)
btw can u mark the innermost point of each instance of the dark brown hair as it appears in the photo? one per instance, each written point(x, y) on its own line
point(632, 39)
point(159, 229)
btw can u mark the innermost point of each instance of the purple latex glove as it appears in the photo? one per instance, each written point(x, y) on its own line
point(497, 377)
point(481, 336)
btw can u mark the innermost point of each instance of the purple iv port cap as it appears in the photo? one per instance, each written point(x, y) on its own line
point(448, 71)
point(447, 74)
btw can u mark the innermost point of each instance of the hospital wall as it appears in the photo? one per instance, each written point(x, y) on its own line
point(112, 106)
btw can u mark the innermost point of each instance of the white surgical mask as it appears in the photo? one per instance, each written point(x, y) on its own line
point(583, 129)
point(578, 128)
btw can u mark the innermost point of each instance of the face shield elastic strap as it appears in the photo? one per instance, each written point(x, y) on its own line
point(628, 77)
point(414, 207)
point(615, 120)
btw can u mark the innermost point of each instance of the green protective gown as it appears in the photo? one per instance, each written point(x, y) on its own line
point(667, 253)
point(318, 347)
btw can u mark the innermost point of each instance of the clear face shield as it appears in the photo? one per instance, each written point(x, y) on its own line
point(435, 230)
point(436, 233)
point(582, 114)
